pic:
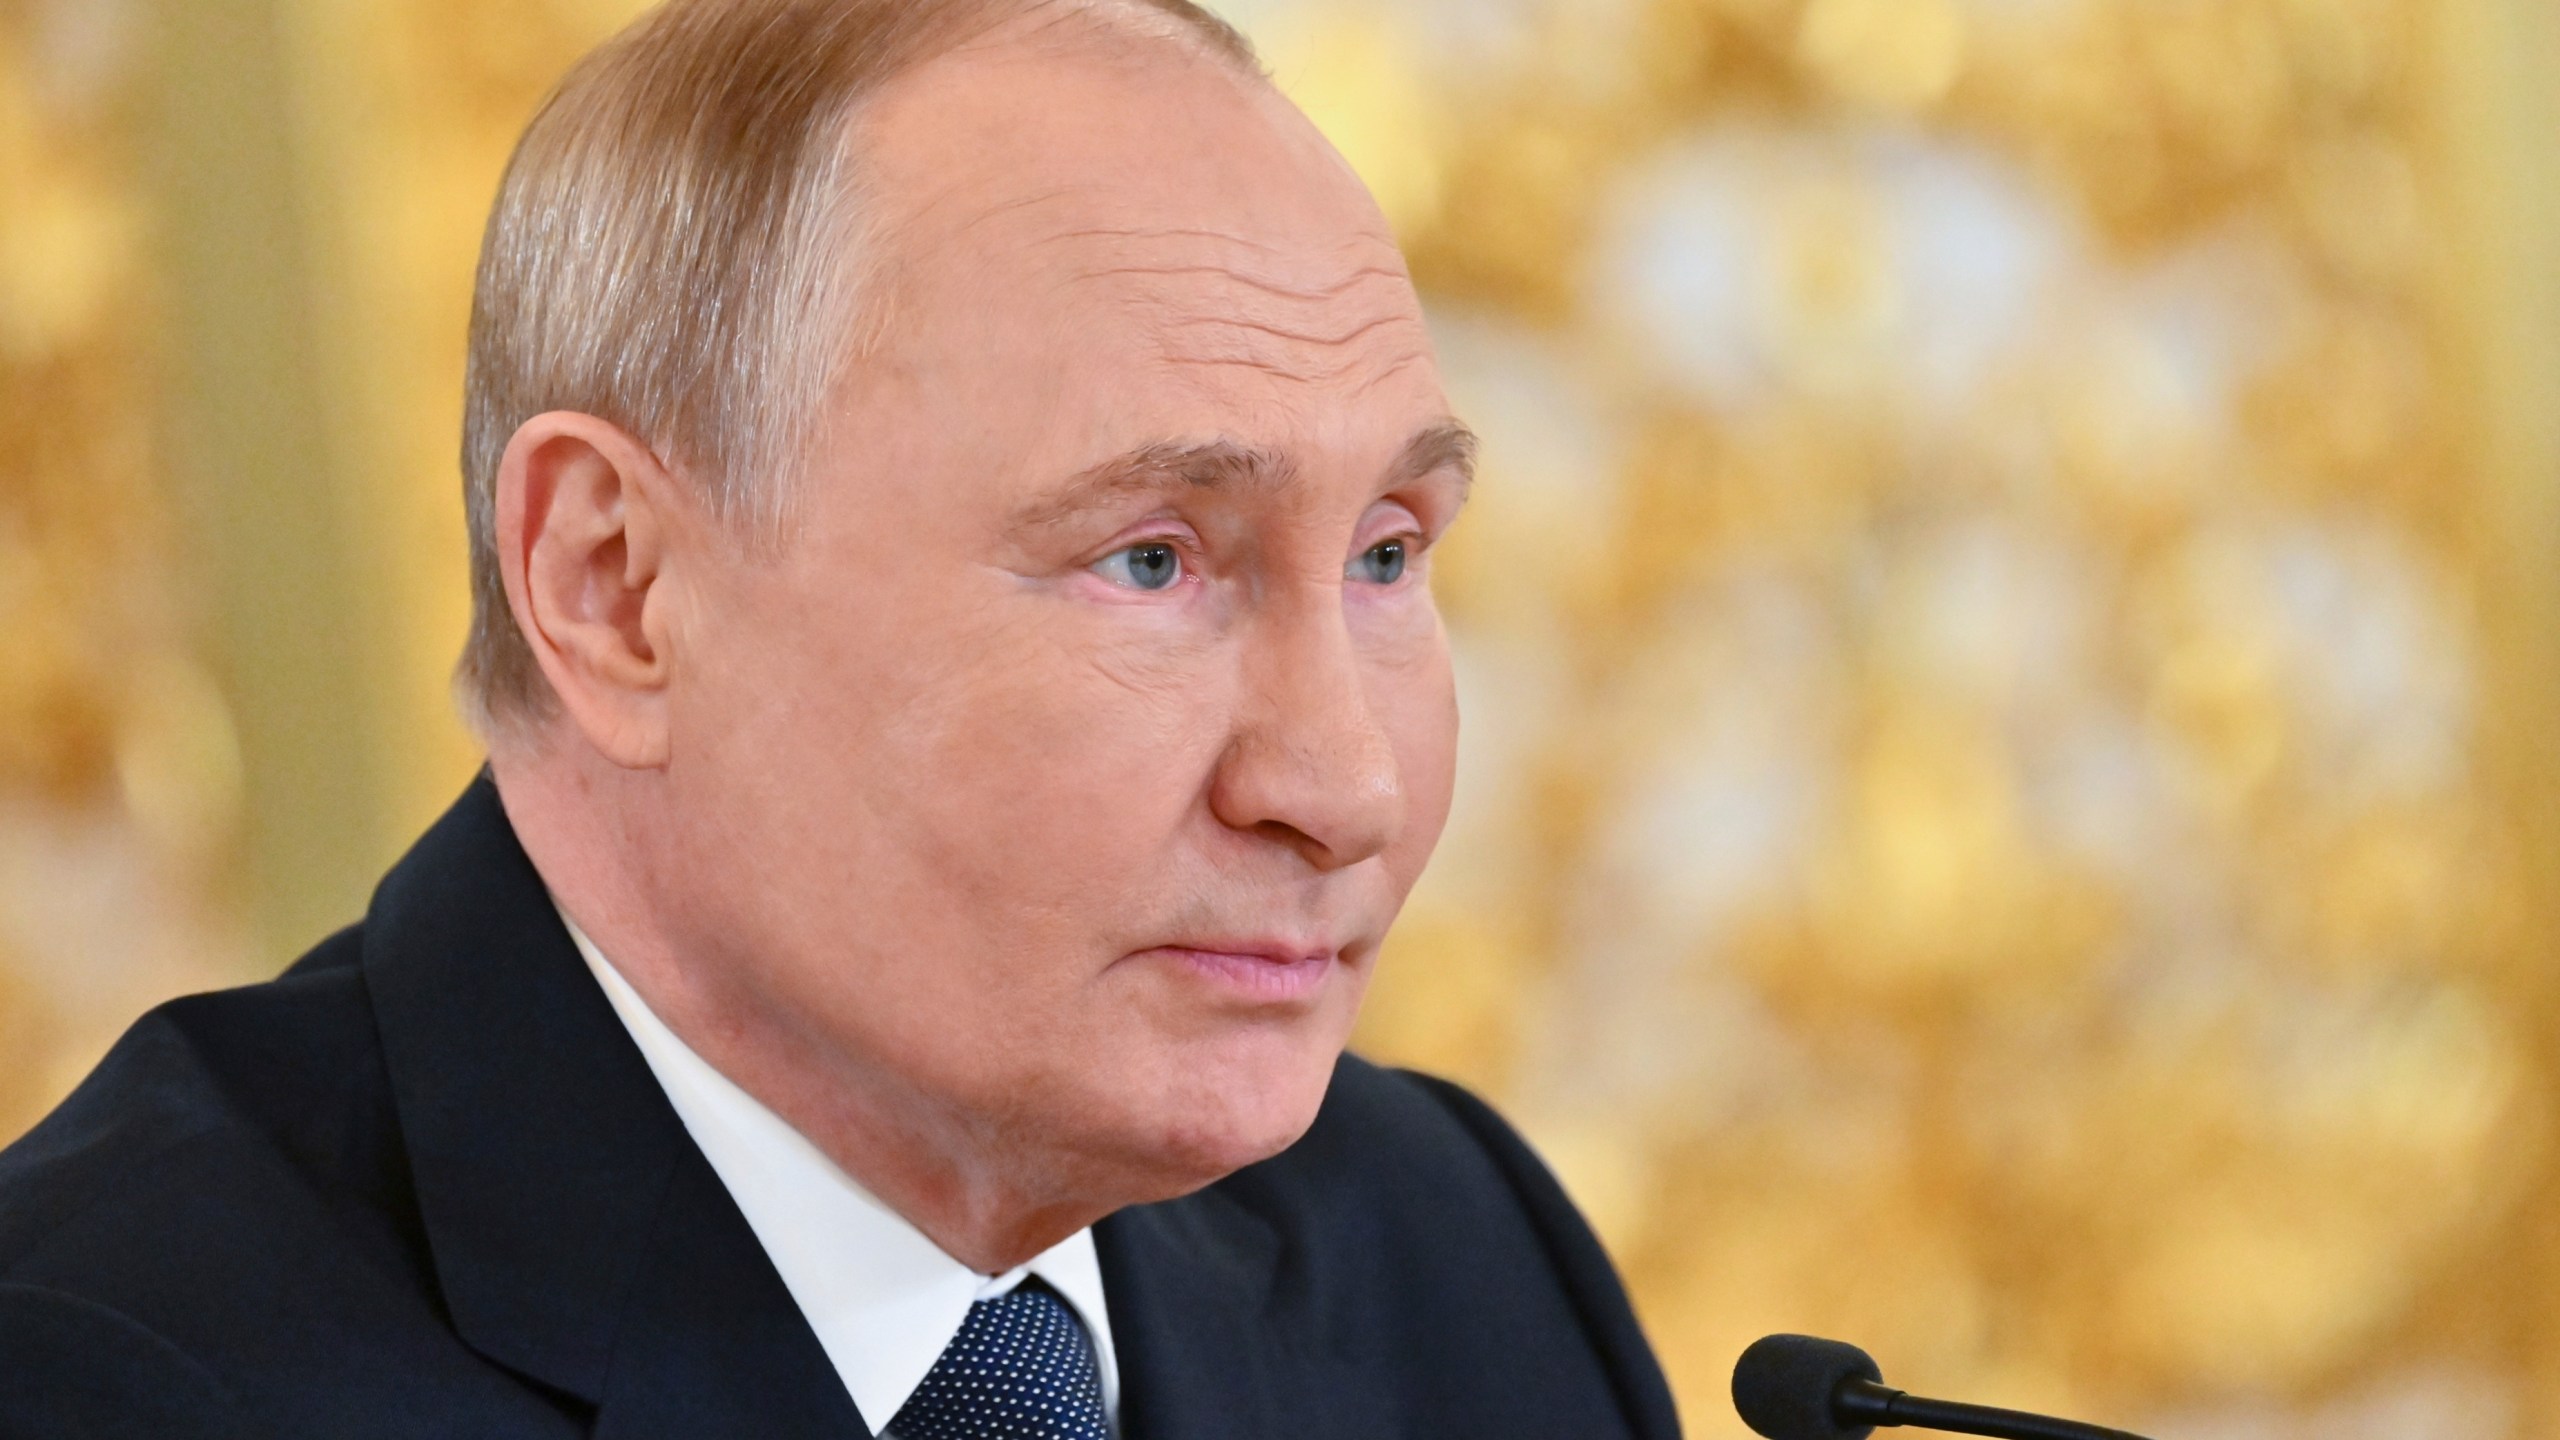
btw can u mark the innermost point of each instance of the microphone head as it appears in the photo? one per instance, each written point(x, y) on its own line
point(1783, 1384)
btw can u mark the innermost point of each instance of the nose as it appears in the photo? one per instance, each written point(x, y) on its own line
point(1308, 765)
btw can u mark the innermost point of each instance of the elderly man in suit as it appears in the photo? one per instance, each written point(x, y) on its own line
point(952, 486)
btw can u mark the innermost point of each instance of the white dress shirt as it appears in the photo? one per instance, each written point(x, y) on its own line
point(883, 1299)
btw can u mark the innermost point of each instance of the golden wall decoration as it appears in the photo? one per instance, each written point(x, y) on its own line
point(2004, 812)
point(418, 106)
point(1990, 830)
point(118, 779)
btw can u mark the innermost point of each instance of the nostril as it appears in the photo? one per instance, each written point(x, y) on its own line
point(1307, 847)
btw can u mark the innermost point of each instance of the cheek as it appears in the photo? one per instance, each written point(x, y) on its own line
point(1414, 695)
point(1049, 751)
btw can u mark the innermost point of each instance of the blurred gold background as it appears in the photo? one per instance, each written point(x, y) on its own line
point(2011, 640)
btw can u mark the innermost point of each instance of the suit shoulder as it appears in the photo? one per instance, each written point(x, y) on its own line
point(1443, 1121)
point(1407, 1176)
point(234, 1094)
point(1406, 1133)
point(1401, 1162)
point(78, 1368)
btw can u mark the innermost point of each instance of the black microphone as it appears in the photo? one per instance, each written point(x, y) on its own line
point(1794, 1387)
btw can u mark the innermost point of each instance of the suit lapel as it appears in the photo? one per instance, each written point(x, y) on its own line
point(712, 1344)
point(579, 1236)
point(1214, 1341)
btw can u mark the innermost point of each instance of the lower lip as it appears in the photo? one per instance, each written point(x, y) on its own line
point(1255, 977)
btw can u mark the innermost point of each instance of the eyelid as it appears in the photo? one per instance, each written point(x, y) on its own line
point(1154, 530)
point(1395, 520)
point(1434, 501)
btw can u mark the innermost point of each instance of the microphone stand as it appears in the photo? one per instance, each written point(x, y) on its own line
point(1866, 1402)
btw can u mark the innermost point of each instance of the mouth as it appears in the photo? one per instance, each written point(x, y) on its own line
point(1255, 971)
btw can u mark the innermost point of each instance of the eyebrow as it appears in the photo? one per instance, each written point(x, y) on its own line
point(1232, 465)
point(1447, 445)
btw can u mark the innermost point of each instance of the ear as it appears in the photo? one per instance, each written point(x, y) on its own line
point(584, 512)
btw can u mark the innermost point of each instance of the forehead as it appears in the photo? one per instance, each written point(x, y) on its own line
point(1144, 215)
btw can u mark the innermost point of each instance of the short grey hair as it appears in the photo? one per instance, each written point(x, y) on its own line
point(676, 249)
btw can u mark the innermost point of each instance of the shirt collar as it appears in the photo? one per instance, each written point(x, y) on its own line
point(883, 1299)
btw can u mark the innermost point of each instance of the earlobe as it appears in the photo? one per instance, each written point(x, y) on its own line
point(582, 525)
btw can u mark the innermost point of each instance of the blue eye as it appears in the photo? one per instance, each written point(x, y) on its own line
point(1380, 564)
point(1153, 565)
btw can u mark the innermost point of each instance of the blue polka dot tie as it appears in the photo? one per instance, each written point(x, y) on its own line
point(1020, 1369)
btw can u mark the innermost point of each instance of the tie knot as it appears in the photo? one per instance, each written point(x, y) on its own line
point(1021, 1368)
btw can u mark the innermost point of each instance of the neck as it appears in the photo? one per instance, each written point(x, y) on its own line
point(985, 1197)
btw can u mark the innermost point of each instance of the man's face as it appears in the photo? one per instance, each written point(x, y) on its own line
point(1066, 771)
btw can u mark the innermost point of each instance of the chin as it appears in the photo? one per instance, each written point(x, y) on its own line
point(1219, 1113)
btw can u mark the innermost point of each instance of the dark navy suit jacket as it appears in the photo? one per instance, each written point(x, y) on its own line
point(424, 1185)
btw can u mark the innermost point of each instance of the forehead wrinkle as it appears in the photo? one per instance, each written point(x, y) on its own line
point(1314, 376)
point(909, 239)
point(1289, 333)
point(1334, 291)
point(1402, 363)
point(991, 213)
point(1301, 358)
point(1321, 342)
point(1172, 253)
point(1195, 232)
point(1169, 232)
